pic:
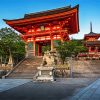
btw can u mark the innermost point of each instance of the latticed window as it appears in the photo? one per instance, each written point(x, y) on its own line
point(30, 46)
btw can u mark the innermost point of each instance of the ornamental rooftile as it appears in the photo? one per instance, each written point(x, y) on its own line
point(91, 34)
point(45, 13)
point(48, 12)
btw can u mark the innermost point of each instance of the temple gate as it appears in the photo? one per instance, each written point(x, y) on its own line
point(42, 28)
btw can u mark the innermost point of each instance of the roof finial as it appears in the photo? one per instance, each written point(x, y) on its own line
point(90, 26)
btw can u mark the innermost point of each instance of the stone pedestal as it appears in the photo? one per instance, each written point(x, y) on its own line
point(45, 74)
point(46, 70)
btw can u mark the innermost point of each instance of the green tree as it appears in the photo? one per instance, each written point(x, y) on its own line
point(46, 48)
point(67, 49)
point(10, 43)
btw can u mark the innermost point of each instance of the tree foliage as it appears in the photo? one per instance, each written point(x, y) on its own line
point(70, 48)
point(10, 42)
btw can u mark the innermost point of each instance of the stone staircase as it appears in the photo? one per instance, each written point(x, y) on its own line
point(27, 69)
point(81, 69)
point(86, 69)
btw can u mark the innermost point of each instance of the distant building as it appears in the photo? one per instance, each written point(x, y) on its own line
point(92, 42)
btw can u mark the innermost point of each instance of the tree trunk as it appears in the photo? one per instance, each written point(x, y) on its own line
point(1, 60)
point(5, 60)
point(62, 61)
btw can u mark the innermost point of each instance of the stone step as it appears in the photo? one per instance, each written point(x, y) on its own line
point(27, 69)
point(21, 77)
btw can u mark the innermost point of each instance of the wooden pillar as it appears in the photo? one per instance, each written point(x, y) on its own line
point(52, 44)
point(61, 34)
point(39, 50)
point(26, 50)
point(34, 48)
point(89, 49)
point(96, 49)
point(62, 40)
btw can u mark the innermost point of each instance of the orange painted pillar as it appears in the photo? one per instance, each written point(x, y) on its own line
point(62, 41)
point(26, 49)
point(39, 50)
point(62, 38)
point(34, 48)
point(89, 49)
point(52, 45)
point(96, 49)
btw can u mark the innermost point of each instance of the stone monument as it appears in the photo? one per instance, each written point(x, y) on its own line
point(45, 71)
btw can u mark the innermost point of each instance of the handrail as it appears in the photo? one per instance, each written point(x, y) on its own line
point(13, 69)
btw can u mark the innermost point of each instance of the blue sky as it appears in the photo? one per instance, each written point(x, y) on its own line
point(89, 10)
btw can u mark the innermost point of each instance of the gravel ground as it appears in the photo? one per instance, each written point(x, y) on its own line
point(62, 89)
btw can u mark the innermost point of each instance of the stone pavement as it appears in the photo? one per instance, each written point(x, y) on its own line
point(6, 84)
point(92, 92)
point(62, 89)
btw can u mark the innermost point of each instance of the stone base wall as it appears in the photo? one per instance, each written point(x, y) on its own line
point(86, 68)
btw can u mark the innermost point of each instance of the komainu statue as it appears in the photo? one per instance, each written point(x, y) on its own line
point(45, 71)
point(49, 59)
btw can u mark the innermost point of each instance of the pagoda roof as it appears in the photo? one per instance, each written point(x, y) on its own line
point(92, 43)
point(91, 34)
point(48, 12)
point(68, 14)
point(42, 13)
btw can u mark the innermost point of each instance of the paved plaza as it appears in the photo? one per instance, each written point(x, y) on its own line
point(6, 84)
point(23, 89)
point(62, 89)
point(92, 92)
